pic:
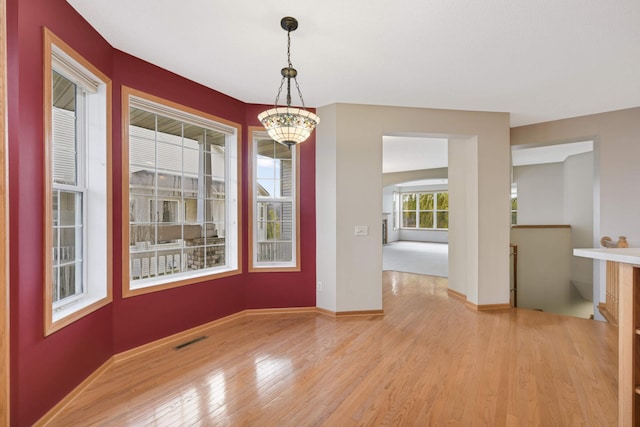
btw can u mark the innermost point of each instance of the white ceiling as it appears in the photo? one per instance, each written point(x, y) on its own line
point(539, 60)
point(400, 154)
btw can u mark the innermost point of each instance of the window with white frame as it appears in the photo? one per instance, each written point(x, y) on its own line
point(183, 205)
point(425, 210)
point(78, 232)
point(274, 204)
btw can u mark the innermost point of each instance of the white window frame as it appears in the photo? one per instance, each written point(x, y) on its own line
point(93, 166)
point(435, 210)
point(132, 98)
point(258, 134)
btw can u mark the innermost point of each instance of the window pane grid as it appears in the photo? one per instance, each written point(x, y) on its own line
point(68, 194)
point(78, 221)
point(177, 200)
point(67, 250)
point(424, 210)
point(274, 207)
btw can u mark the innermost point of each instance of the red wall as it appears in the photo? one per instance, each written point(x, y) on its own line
point(138, 320)
point(44, 370)
point(268, 290)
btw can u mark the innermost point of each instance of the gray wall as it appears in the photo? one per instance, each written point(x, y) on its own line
point(540, 193)
point(349, 149)
point(561, 193)
point(578, 212)
point(616, 173)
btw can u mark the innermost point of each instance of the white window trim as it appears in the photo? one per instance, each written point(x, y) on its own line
point(94, 167)
point(132, 98)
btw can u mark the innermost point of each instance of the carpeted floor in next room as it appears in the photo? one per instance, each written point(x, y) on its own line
point(416, 257)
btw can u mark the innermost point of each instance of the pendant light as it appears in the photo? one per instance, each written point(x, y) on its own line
point(289, 125)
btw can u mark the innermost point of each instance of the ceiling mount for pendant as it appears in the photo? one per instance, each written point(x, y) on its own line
point(289, 23)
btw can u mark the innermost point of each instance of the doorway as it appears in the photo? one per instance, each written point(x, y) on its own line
point(552, 213)
point(415, 211)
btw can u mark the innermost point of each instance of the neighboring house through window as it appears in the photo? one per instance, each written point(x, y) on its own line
point(183, 195)
point(274, 204)
point(77, 185)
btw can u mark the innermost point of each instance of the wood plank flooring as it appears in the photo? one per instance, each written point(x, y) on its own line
point(428, 361)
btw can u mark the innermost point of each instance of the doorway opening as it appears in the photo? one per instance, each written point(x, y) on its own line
point(415, 205)
point(553, 190)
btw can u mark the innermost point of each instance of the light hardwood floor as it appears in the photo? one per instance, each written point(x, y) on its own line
point(428, 361)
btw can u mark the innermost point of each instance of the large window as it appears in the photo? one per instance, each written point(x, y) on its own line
point(77, 190)
point(274, 209)
point(182, 190)
point(425, 211)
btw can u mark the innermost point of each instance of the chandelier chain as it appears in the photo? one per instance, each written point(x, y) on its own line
point(299, 92)
point(279, 92)
point(289, 49)
point(291, 66)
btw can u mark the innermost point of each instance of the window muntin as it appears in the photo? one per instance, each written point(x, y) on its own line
point(77, 236)
point(274, 207)
point(183, 195)
point(425, 211)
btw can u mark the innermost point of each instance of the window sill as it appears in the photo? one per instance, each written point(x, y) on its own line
point(424, 229)
point(170, 282)
point(273, 268)
point(68, 314)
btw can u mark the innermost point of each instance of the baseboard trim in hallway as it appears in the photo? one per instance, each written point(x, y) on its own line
point(487, 307)
point(482, 307)
point(457, 295)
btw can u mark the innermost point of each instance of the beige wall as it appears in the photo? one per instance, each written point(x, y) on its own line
point(326, 212)
point(544, 272)
point(617, 151)
point(463, 214)
point(540, 193)
point(400, 177)
point(349, 148)
point(578, 212)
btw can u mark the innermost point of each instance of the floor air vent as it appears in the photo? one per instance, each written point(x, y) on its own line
point(188, 343)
